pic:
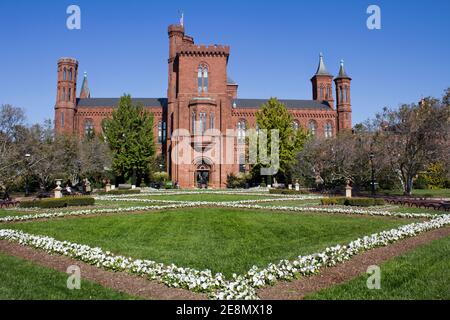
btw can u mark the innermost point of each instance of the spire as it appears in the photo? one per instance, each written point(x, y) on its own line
point(182, 19)
point(322, 69)
point(85, 92)
point(342, 74)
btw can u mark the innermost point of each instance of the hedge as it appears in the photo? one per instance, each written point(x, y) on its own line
point(357, 202)
point(117, 192)
point(58, 203)
point(287, 191)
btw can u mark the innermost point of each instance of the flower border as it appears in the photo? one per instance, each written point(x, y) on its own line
point(216, 286)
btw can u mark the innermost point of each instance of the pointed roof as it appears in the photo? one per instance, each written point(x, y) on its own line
point(342, 74)
point(85, 92)
point(231, 81)
point(322, 69)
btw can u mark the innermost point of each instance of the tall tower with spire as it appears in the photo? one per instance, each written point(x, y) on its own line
point(66, 97)
point(343, 105)
point(322, 83)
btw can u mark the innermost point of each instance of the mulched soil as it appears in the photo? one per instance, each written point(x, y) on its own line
point(348, 270)
point(120, 281)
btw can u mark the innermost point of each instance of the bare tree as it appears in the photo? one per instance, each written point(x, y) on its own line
point(11, 122)
point(413, 137)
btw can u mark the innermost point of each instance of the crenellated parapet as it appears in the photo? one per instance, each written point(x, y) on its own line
point(203, 50)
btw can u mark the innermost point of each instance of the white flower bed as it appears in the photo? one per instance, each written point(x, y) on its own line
point(174, 193)
point(333, 210)
point(171, 275)
point(239, 287)
point(206, 202)
point(241, 204)
point(85, 212)
point(310, 264)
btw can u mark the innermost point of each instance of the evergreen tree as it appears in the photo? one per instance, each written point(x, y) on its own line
point(129, 134)
point(274, 116)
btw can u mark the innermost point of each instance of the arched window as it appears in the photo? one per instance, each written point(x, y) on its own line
point(88, 127)
point(345, 94)
point(65, 74)
point(62, 119)
point(63, 94)
point(312, 126)
point(295, 125)
point(70, 94)
point(241, 127)
point(202, 79)
point(329, 94)
point(341, 95)
point(70, 75)
point(321, 93)
point(328, 130)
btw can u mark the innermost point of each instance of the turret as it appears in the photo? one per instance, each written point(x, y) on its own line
point(66, 99)
point(322, 83)
point(343, 98)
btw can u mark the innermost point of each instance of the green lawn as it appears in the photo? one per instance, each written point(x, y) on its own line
point(208, 197)
point(221, 239)
point(99, 204)
point(421, 274)
point(290, 203)
point(125, 204)
point(23, 280)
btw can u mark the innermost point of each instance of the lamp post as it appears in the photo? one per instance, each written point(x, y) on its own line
point(371, 156)
point(27, 191)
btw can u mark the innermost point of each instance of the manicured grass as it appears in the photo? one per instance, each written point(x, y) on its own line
point(221, 239)
point(126, 204)
point(5, 213)
point(23, 280)
point(101, 204)
point(421, 274)
point(208, 197)
point(291, 203)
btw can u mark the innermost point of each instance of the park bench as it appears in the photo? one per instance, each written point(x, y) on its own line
point(8, 203)
point(444, 206)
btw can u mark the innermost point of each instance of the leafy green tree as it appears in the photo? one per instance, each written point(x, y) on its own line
point(274, 116)
point(129, 134)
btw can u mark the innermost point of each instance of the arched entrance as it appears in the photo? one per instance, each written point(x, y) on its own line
point(202, 176)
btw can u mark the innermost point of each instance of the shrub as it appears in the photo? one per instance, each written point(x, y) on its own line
point(118, 192)
point(356, 202)
point(287, 191)
point(58, 203)
point(238, 181)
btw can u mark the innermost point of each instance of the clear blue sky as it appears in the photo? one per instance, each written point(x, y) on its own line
point(274, 48)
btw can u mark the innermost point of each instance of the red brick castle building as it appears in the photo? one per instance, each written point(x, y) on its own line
point(201, 96)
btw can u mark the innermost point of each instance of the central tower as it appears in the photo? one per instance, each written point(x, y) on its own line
point(199, 102)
